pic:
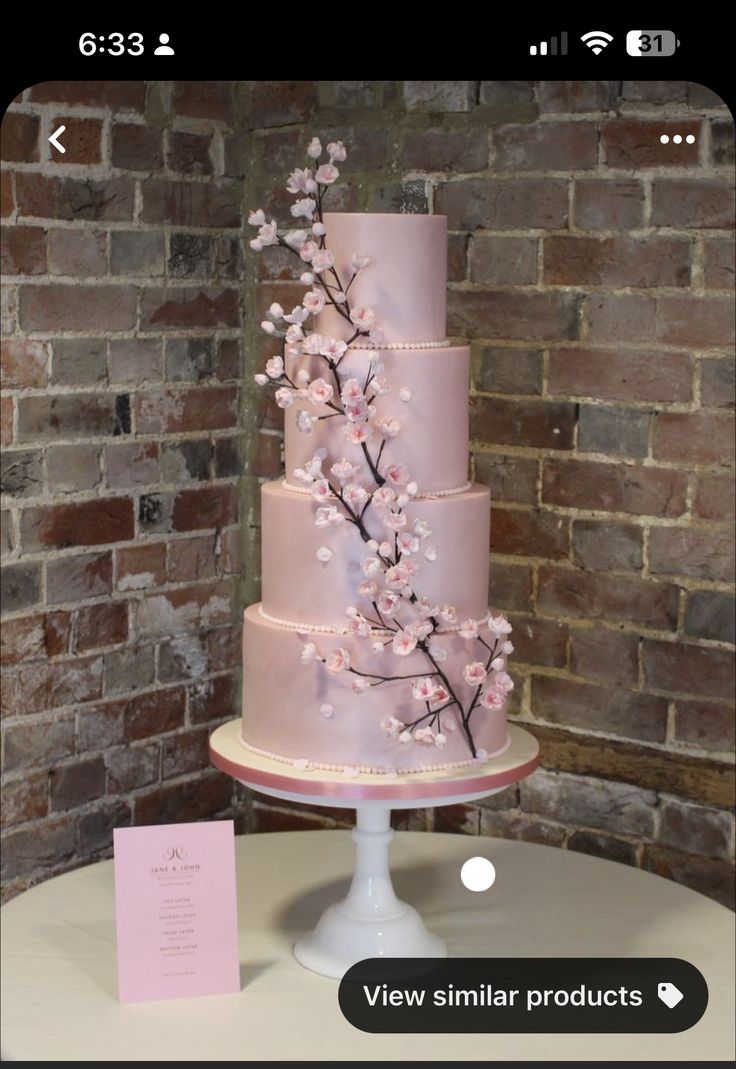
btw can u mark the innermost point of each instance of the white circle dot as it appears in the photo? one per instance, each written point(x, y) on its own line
point(478, 874)
point(163, 38)
point(665, 139)
point(690, 139)
point(677, 139)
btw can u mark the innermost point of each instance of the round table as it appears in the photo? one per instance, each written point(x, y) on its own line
point(59, 977)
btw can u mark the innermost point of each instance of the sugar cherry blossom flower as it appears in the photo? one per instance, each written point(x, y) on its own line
point(503, 681)
point(314, 302)
point(359, 261)
point(397, 576)
point(320, 490)
point(351, 392)
point(357, 432)
point(327, 710)
point(257, 218)
point(297, 315)
point(391, 727)
point(493, 699)
point(268, 233)
point(499, 626)
point(307, 278)
point(324, 554)
point(268, 326)
point(312, 344)
point(431, 554)
point(319, 392)
point(422, 530)
point(368, 588)
point(356, 496)
point(299, 180)
point(308, 251)
point(468, 629)
point(371, 566)
point(314, 150)
point(387, 603)
point(294, 333)
point(418, 629)
point(423, 690)
point(256, 244)
point(343, 470)
point(424, 736)
point(403, 644)
point(275, 367)
point(333, 348)
point(304, 422)
point(426, 607)
point(385, 549)
point(339, 297)
point(327, 174)
point(261, 379)
point(381, 385)
point(363, 317)
point(405, 394)
point(386, 427)
point(360, 685)
point(507, 648)
point(284, 397)
point(275, 311)
point(302, 377)
point(319, 230)
point(309, 653)
point(475, 673)
point(438, 652)
point(396, 474)
point(498, 664)
point(448, 614)
point(440, 740)
point(295, 238)
point(337, 151)
point(322, 260)
point(328, 516)
point(408, 543)
point(395, 521)
point(314, 465)
point(337, 661)
point(405, 736)
point(382, 497)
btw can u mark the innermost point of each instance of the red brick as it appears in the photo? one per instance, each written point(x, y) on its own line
point(503, 261)
point(24, 363)
point(605, 546)
point(84, 523)
point(23, 250)
point(193, 558)
point(712, 727)
point(141, 567)
point(539, 642)
point(213, 699)
point(206, 100)
point(510, 586)
point(82, 140)
point(201, 408)
point(445, 150)
point(530, 533)
point(510, 478)
point(717, 383)
point(37, 744)
point(692, 202)
point(100, 726)
point(714, 497)
point(620, 318)
point(87, 308)
point(620, 375)
point(504, 203)
point(7, 197)
point(267, 460)
point(47, 685)
point(614, 487)
point(522, 315)
point(578, 96)
point(186, 308)
point(694, 437)
point(25, 799)
point(229, 363)
point(6, 420)
point(211, 506)
point(189, 153)
point(178, 203)
point(695, 828)
point(154, 713)
point(706, 875)
point(594, 595)
point(20, 137)
point(603, 204)
point(608, 709)
point(597, 653)
point(136, 147)
point(31, 638)
point(132, 463)
point(541, 424)
point(719, 264)
point(74, 199)
point(78, 252)
point(185, 753)
point(690, 551)
point(191, 800)
point(102, 625)
point(74, 785)
point(635, 143)
point(703, 322)
point(224, 645)
point(50, 416)
point(616, 262)
point(282, 103)
point(677, 667)
point(203, 605)
point(121, 96)
point(558, 146)
point(85, 575)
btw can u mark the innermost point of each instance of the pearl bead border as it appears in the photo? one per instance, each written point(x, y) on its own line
point(428, 496)
point(318, 629)
point(370, 769)
point(363, 344)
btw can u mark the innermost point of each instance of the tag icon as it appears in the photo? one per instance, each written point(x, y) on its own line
point(669, 994)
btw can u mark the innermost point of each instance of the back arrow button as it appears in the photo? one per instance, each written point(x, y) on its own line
point(54, 139)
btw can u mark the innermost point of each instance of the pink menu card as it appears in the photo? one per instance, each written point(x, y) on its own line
point(176, 907)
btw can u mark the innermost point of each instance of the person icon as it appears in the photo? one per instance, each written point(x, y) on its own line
point(164, 49)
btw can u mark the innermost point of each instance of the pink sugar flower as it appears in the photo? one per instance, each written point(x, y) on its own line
point(371, 567)
point(275, 367)
point(403, 644)
point(312, 344)
point(268, 233)
point(387, 428)
point(503, 681)
point(395, 521)
point(257, 218)
point(424, 736)
point(397, 576)
point(498, 664)
point(405, 736)
point(475, 673)
point(328, 516)
point(440, 740)
point(351, 392)
point(363, 317)
point(327, 174)
point(408, 543)
point(338, 660)
point(387, 603)
point(499, 626)
point(368, 588)
point(419, 629)
point(284, 397)
point(314, 302)
point(337, 151)
point(314, 149)
point(356, 496)
point(333, 349)
point(297, 315)
point(308, 250)
point(391, 727)
point(359, 261)
point(357, 432)
point(343, 470)
point(382, 497)
point(305, 422)
point(324, 554)
point(304, 208)
point(507, 648)
point(319, 392)
point(468, 629)
point(295, 238)
point(322, 260)
point(309, 653)
point(441, 694)
point(448, 614)
point(299, 181)
point(320, 490)
point(493, 699)
point(260, 379)
point(396, 474)
point(423, 689)
point(356, 410)
point(360, 685)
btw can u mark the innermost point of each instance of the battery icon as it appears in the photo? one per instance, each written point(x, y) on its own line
point(651, 43)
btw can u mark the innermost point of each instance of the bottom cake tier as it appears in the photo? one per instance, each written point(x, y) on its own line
point(306, 716)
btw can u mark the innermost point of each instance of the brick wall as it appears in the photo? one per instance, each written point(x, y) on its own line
point(592, 270)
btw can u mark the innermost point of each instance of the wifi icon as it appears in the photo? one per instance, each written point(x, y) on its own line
point(596, 40)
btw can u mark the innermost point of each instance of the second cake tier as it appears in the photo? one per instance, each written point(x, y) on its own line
point(299, 588)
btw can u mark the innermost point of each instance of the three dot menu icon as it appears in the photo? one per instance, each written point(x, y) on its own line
point(549, 48)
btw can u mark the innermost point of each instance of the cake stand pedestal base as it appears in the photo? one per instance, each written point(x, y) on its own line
point(370, 921)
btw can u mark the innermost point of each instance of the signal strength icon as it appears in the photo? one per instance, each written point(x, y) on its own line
point(545, 48)
point(596, 40)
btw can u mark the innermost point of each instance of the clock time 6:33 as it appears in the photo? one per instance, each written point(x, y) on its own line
point(114, 44)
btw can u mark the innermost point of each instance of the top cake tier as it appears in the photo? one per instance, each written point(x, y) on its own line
point(405, 282)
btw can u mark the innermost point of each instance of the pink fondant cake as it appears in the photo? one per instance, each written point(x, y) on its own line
point(373, 649)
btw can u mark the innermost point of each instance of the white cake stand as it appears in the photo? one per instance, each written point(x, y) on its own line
point(370, 921)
